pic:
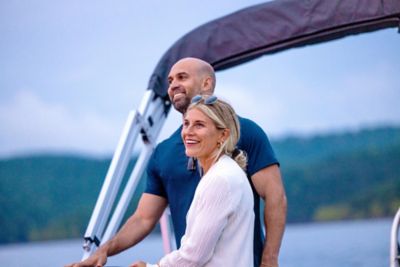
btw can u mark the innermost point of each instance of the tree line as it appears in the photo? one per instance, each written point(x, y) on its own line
point(352, 175)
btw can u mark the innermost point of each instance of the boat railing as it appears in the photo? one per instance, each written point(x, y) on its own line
point(394, 241)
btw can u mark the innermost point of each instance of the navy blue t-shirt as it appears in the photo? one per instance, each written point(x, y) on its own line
point(169, 176)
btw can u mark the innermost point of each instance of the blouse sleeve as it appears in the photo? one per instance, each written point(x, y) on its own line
point(211, 215)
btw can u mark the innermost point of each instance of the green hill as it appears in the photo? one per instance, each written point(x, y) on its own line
point(364, 184)
point(48, 197)
point(297, 151)
point(341, 176)
point(327, 177)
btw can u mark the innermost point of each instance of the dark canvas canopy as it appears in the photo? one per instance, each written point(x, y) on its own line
point(272, 27)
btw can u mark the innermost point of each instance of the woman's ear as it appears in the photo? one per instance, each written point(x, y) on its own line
point(225, 134)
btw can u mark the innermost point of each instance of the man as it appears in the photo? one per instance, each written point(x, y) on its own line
point(172, 178)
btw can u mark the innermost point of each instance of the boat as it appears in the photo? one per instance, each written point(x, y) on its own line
point(240, 37)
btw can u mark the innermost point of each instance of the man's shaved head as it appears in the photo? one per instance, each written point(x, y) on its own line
point(203, 68)
point(189, 77)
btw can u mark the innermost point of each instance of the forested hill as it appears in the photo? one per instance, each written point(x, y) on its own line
point(327, 177)
point(341, 176)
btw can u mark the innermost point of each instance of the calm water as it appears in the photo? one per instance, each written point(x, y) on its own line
point(353, 244)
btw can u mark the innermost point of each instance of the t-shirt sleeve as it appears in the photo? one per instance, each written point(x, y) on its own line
point(254, 141)
point(154, 183)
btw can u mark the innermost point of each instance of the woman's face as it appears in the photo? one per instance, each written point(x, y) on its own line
point(200, 135)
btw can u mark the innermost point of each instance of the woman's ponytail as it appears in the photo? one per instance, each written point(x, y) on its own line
point(240, 157)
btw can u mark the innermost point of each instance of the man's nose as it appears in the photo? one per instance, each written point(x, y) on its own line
point(173, 85)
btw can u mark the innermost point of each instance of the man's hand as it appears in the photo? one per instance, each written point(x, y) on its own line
point(99, 259)
point(135, 229)
point(269, 264)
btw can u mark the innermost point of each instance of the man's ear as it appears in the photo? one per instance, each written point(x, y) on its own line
point(207, 86)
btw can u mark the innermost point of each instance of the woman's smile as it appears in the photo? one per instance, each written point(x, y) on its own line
point(200, 136)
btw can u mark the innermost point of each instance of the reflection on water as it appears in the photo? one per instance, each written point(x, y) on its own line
point(353, 243)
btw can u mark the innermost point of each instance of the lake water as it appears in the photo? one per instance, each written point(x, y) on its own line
point(333, 244)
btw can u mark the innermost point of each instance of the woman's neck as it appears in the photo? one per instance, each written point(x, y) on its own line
point(206, 163)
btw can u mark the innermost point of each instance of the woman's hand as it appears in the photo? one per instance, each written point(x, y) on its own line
point(138, 264)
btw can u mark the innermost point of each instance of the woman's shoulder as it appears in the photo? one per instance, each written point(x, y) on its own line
point(228, 171)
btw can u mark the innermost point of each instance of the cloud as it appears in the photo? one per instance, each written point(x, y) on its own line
point(346, 100)
point(363, 97)
point(253, 105)
point(31, 124)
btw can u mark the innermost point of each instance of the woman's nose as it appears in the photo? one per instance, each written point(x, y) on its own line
point(187, 130)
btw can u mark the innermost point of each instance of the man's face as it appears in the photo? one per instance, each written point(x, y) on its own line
point(184, 83)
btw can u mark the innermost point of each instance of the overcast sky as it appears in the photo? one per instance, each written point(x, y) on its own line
point(72, 70)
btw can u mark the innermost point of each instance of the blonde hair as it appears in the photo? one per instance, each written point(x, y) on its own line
point(224, 117)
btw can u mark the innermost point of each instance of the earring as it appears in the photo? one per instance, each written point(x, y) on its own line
point(220, 143)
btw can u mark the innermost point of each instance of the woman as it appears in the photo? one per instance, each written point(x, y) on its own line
point(220, 220)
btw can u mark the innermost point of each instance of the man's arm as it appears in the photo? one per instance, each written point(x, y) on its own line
point(136, 228)
point(139, 225)
point(269, 186)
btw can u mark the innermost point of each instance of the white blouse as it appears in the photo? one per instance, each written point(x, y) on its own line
point(220, 221)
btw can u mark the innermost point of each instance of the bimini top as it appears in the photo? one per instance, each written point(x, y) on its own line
point(272, 27)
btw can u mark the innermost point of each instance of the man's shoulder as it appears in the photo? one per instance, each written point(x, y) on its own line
point(249, 126)
point(173, 140)
point(168, 149)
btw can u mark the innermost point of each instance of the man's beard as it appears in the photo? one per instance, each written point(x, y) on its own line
point(182, 105)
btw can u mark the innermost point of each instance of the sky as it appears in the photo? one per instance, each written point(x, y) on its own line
point(70, 72)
